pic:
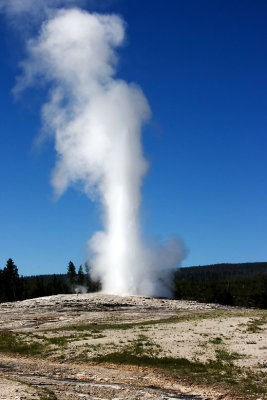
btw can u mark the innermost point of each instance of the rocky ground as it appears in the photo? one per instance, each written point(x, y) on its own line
point(95, 346)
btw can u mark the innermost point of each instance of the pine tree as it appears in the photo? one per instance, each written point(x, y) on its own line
point(80, 276)
point(11, 281)
point(72, 276)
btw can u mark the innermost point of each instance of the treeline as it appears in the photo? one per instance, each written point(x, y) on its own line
point(228, 284)
point(222, 271)
point(14, 287)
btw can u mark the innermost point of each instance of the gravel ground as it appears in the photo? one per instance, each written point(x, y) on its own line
point(165, 328)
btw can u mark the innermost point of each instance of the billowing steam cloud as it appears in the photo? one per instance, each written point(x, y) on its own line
point(96, 121)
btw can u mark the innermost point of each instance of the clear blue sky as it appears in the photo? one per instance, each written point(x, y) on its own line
point(203, 67)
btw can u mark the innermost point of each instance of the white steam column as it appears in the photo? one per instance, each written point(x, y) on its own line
point(96, 121)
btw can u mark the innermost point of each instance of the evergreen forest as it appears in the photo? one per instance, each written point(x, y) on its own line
point(243, 285)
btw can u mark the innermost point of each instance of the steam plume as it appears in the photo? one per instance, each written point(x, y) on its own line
point(96, 121)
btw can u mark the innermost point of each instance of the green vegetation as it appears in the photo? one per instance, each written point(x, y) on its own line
point(47, 394)
point(10, 283)
point(191, 316)
point(142, 351)
point(255, 324)
point(80, 276)
point(11, 343)
point(221, 370)
point(224, 357)
point(229, 284)
point(14, 287)
point(29, 344)
point(72, 276)
point(217, 340)
point(129, 358)
point(142, 346)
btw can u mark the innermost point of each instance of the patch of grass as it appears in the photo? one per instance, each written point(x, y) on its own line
point(31, 344)
point(224, 356)
point(177, 365)
point(98, 336)
point(216, 340)
point(219, 371)
point(262, 365)
point(127, 357)
point(254, 325)
point(12, 343)
point(47, 395)
point(60, 341)
point(141, 345)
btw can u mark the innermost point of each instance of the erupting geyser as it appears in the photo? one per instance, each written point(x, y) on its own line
point(96, 121)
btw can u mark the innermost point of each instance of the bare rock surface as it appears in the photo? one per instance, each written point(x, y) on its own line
point(77, 381)
point(62, 310)
point(73, 332)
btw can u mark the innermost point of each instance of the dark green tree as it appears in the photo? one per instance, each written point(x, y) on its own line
point(37, 288)
point(72, 275)
point(80, 276)
point(53, 286)
point(11, 283)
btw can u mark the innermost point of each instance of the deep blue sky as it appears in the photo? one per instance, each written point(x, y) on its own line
point(203, 67)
